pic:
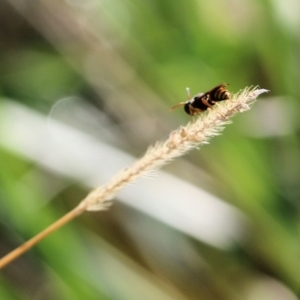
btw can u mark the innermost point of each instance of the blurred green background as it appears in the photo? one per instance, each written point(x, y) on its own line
point(110, 70)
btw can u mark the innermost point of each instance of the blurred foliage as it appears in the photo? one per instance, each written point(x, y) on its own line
point(133, 59)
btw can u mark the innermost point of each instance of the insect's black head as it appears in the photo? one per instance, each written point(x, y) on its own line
point(187, 107)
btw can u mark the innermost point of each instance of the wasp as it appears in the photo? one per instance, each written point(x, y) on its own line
point(203, 101)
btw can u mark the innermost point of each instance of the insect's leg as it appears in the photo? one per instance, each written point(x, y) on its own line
point(195, 111)
point(210, 105)
point(222, 116)
point(205, 102)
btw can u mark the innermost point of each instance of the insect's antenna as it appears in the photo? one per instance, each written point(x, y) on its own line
point(182, 103)
point(188, 93)
point(177, 105)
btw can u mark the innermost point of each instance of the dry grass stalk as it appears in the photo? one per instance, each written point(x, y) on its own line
point(180, 141)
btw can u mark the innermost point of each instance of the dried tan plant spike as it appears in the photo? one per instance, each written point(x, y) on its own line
point(180, 141)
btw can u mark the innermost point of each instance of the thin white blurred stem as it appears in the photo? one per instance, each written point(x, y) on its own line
point(180, 141)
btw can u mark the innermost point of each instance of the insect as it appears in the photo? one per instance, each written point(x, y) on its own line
point(203, 101)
